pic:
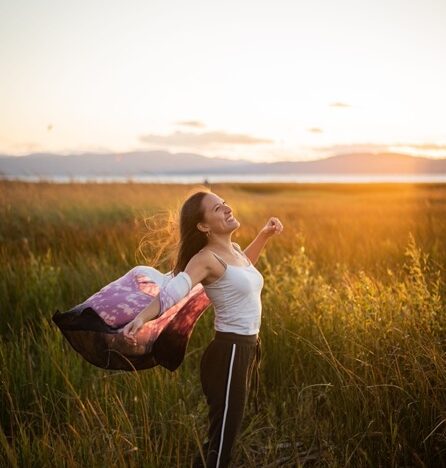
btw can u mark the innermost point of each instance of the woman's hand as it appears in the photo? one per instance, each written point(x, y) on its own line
point(273, 226)
point(131, 329)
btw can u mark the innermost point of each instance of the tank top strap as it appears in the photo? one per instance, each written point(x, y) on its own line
point(237, 247)
point(217, 257)
point(220, 259)
point(241, 251)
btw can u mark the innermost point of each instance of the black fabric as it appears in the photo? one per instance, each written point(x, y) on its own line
point(104, 346)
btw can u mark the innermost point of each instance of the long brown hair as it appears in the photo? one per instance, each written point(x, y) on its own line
point(191, 238)
point(172, 236)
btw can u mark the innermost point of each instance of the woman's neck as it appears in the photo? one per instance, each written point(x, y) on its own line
point(222, 244)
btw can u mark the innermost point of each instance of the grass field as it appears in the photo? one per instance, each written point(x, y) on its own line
point(353, 331)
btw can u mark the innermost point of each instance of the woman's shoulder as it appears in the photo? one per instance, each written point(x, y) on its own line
point(209, 258)
point(203, 256)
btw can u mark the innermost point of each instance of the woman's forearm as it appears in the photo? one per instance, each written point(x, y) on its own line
point(151, 311)
point(255, 247)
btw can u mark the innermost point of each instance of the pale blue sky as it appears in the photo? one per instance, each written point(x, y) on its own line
point(262, 80)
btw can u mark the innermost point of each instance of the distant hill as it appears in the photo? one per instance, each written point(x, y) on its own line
point(155, 163)
point(359, 163)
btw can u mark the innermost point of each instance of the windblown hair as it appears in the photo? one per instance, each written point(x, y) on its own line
point(191, 238)
point(174, 239)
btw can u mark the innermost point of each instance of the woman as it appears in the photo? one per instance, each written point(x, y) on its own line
point(233, 285)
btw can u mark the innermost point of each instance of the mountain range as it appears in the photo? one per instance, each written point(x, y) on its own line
point(154, 163)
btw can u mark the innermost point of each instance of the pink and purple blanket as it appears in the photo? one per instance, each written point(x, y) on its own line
point(94, 327)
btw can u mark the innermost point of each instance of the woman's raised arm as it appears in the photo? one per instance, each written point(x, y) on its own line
point(272, 226)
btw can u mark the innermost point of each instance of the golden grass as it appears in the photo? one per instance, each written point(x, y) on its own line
point(353, 328)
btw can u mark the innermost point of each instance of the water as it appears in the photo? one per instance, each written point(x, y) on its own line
point(218, 178)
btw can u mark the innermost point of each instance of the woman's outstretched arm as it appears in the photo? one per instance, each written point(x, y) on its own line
point(273, 226)
point(176, 289)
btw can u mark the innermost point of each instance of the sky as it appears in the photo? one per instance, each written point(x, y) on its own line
point(260, 80)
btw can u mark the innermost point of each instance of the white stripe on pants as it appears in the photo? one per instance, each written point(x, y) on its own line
point(228, 387)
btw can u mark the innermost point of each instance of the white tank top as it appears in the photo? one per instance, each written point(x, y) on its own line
point(236, 298)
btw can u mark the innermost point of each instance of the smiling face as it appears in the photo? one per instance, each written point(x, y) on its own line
point(218, 217)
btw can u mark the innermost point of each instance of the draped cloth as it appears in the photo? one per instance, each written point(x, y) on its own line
point(94, 327)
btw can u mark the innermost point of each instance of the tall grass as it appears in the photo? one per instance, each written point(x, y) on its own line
point(353, 331)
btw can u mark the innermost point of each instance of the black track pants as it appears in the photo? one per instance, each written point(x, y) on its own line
point(226, 369)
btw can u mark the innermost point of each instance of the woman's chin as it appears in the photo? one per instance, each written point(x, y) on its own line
point(235, 226)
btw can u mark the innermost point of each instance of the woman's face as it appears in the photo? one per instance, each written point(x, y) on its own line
point(218, 216)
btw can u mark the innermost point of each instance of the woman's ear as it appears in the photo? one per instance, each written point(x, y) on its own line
point(202, 228)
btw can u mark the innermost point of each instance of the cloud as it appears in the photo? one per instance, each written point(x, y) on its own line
point(422, 146)
point(315, 130)
point(353, 148)
point(207, 139)
point(191, 123)
point(413, 149)
point(339, 104)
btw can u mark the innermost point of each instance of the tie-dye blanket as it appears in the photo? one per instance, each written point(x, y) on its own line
point(94, 327)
